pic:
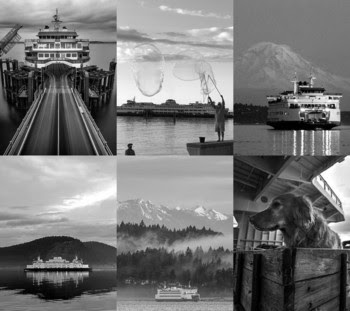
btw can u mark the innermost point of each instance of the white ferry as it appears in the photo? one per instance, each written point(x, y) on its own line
point(177, 294)
point(57, 263)
point(169, 108)
point(57, 45)
point(306, 107)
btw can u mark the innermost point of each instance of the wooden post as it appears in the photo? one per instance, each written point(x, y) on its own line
point(86, 87)
point(237, 286)
point(343, 280)
point(288, 258)
point(30, 88)
point(256, 282)
point(1, 72)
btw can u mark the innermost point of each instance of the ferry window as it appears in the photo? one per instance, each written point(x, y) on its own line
point(68, 55)
point(51, 45)
point(74, 54)
point(52, 55)
point(79, 45)
point(74, 45)
point(47, 55)
point(40, 55)
point(58, 55)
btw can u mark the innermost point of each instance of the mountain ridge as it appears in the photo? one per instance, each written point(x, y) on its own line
point(269, 67)
point(136, 210)
point(96, 254)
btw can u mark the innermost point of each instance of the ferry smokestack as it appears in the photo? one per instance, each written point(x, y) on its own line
point(296, 85)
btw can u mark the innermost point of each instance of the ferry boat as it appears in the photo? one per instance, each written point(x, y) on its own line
point(306, 107)
point(57, 45)
point(169, 108)
point(57, 264)
point(177, 294)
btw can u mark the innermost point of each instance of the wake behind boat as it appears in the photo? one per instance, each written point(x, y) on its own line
point(306, 107)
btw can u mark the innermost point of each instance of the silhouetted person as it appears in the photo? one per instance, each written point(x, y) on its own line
point(220, 113)
point(129, 151)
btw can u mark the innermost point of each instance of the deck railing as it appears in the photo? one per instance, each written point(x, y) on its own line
point(329, 190)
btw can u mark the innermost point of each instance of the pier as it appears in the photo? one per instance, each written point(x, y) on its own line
point(58, 122)
point(211, 148)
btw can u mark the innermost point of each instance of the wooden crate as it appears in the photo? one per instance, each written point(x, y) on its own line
point(291, 280)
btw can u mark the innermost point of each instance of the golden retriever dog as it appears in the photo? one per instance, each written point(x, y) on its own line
point(301, 224)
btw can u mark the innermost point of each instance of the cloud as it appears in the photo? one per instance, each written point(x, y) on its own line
point(35, 221)
point(198, 13)
point(88, 199)
point(199, 38)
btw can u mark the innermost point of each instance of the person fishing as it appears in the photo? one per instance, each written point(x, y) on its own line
point(220, 113)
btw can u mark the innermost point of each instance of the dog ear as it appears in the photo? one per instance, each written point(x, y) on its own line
point(303, 213)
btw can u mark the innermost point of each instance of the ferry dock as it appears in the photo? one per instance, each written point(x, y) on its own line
point(57, 86)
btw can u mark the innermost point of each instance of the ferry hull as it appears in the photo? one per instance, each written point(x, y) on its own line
point(300, 125)
point(57, 269)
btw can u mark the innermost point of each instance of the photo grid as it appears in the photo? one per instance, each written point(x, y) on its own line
point(121, 196)
point(291, 164)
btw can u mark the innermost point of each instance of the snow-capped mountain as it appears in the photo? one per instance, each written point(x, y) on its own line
point(136, 210)
point(271, 67)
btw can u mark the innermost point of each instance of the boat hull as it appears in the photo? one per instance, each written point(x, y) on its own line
point(300, 125)
point(57, 269)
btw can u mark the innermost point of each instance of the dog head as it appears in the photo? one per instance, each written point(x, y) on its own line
point(284, 211)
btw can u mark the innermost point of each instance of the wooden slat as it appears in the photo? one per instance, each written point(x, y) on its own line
point(329, 305)
point(315, 292)
point(271, 296)
point(313, 263)
point(246, 291)
point(272, 267)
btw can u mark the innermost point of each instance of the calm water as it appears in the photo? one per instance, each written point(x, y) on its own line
point(161, 136)
point(263, 140)
point(44, 290)
point(104, 115)
point(144, 305)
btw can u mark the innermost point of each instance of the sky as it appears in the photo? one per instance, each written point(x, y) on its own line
point(45, 196)
point(176, 26)
point(338, 178)
point(178, 181)
point(316, 29)
point(92, 19)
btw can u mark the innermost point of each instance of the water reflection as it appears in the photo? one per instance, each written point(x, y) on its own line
point(302, 142)
point(60, 285)
point(57, 278)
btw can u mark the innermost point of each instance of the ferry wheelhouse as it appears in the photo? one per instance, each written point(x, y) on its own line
point(57, 45)
point(177, 294)
point(306, 107)
point(56, 264)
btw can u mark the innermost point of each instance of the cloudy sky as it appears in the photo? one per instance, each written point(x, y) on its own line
point(316, 29)
point(178, 181)
point(43, 196)
point(174, 26)
point(93, 19)
point(338, 178)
